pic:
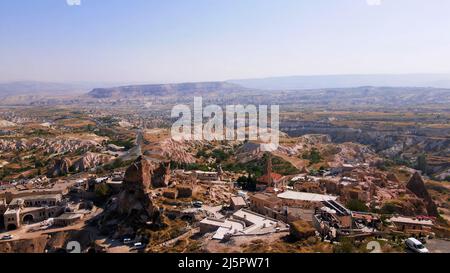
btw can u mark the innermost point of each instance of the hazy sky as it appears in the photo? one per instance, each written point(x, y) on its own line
point(199, 40)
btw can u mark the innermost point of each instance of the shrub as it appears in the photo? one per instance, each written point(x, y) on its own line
point(357, 205)
point(102, 191)
point(345, 246)
point(389, 208)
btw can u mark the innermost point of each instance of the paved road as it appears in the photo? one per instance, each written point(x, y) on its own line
point(438, 246)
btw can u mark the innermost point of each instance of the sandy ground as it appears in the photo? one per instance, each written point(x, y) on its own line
point(234, 246)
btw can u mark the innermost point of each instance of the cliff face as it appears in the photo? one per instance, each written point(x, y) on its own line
point(417, 186)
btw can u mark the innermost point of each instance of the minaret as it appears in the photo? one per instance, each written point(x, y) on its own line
point(269, 170)
point(220, 172)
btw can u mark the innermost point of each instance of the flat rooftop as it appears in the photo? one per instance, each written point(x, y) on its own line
point(257, 220)
point(238, 201)
point(69, 216)
point(267, 197)
point(216, 222)
point(305, 196)
point(256, 224)
point(414, 221)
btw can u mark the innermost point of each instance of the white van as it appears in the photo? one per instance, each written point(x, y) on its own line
point(416, 246)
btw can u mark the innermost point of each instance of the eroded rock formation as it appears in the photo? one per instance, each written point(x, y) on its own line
point(133, 207)
point(59, 167)
point(89, 161)
point(417, 186)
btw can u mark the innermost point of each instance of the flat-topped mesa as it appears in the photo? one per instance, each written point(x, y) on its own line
point(160, 90)
point(417, 186)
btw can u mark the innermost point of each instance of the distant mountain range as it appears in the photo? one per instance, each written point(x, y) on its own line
point(23, 92)
point(166, 90)
point(231, 93)
point(312, 91)
point(37, 88)
point(346, 81)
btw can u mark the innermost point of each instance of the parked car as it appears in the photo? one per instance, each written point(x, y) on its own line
point(416, 246)
point(126, 241)
point(197, 204)
point(138, 246)
point(7, 237)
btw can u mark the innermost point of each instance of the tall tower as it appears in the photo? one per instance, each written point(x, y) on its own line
point(269, 170)
point(220, 172)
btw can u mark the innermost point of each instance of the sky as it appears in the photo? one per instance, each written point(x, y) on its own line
point(160, 41)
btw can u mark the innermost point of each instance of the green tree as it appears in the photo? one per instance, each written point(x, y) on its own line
point(247, 182)
point(422, 163)
point(389, 208)
point(102, 191)
point(357, 205)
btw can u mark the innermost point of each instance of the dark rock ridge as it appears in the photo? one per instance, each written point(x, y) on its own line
point(417, 186)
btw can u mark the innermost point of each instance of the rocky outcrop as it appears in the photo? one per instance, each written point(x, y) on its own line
point(302, 230)
point(36, 245)
point(5, 124)
point(52, 243)
point(407, 205)
point(133, 207)
point(417, 186)
point(49, 146)
point(136, 186)
point(161, 176)
point(89, 161)
point(59, 167)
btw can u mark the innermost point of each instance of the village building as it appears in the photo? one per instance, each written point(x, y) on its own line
point(206, 176)
point(241, 223)
point(304, 199)
point(32, 209)
point(409, 225)
point(67, 219)
point(264, 203)
point(364, 220)
point(237, 203)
